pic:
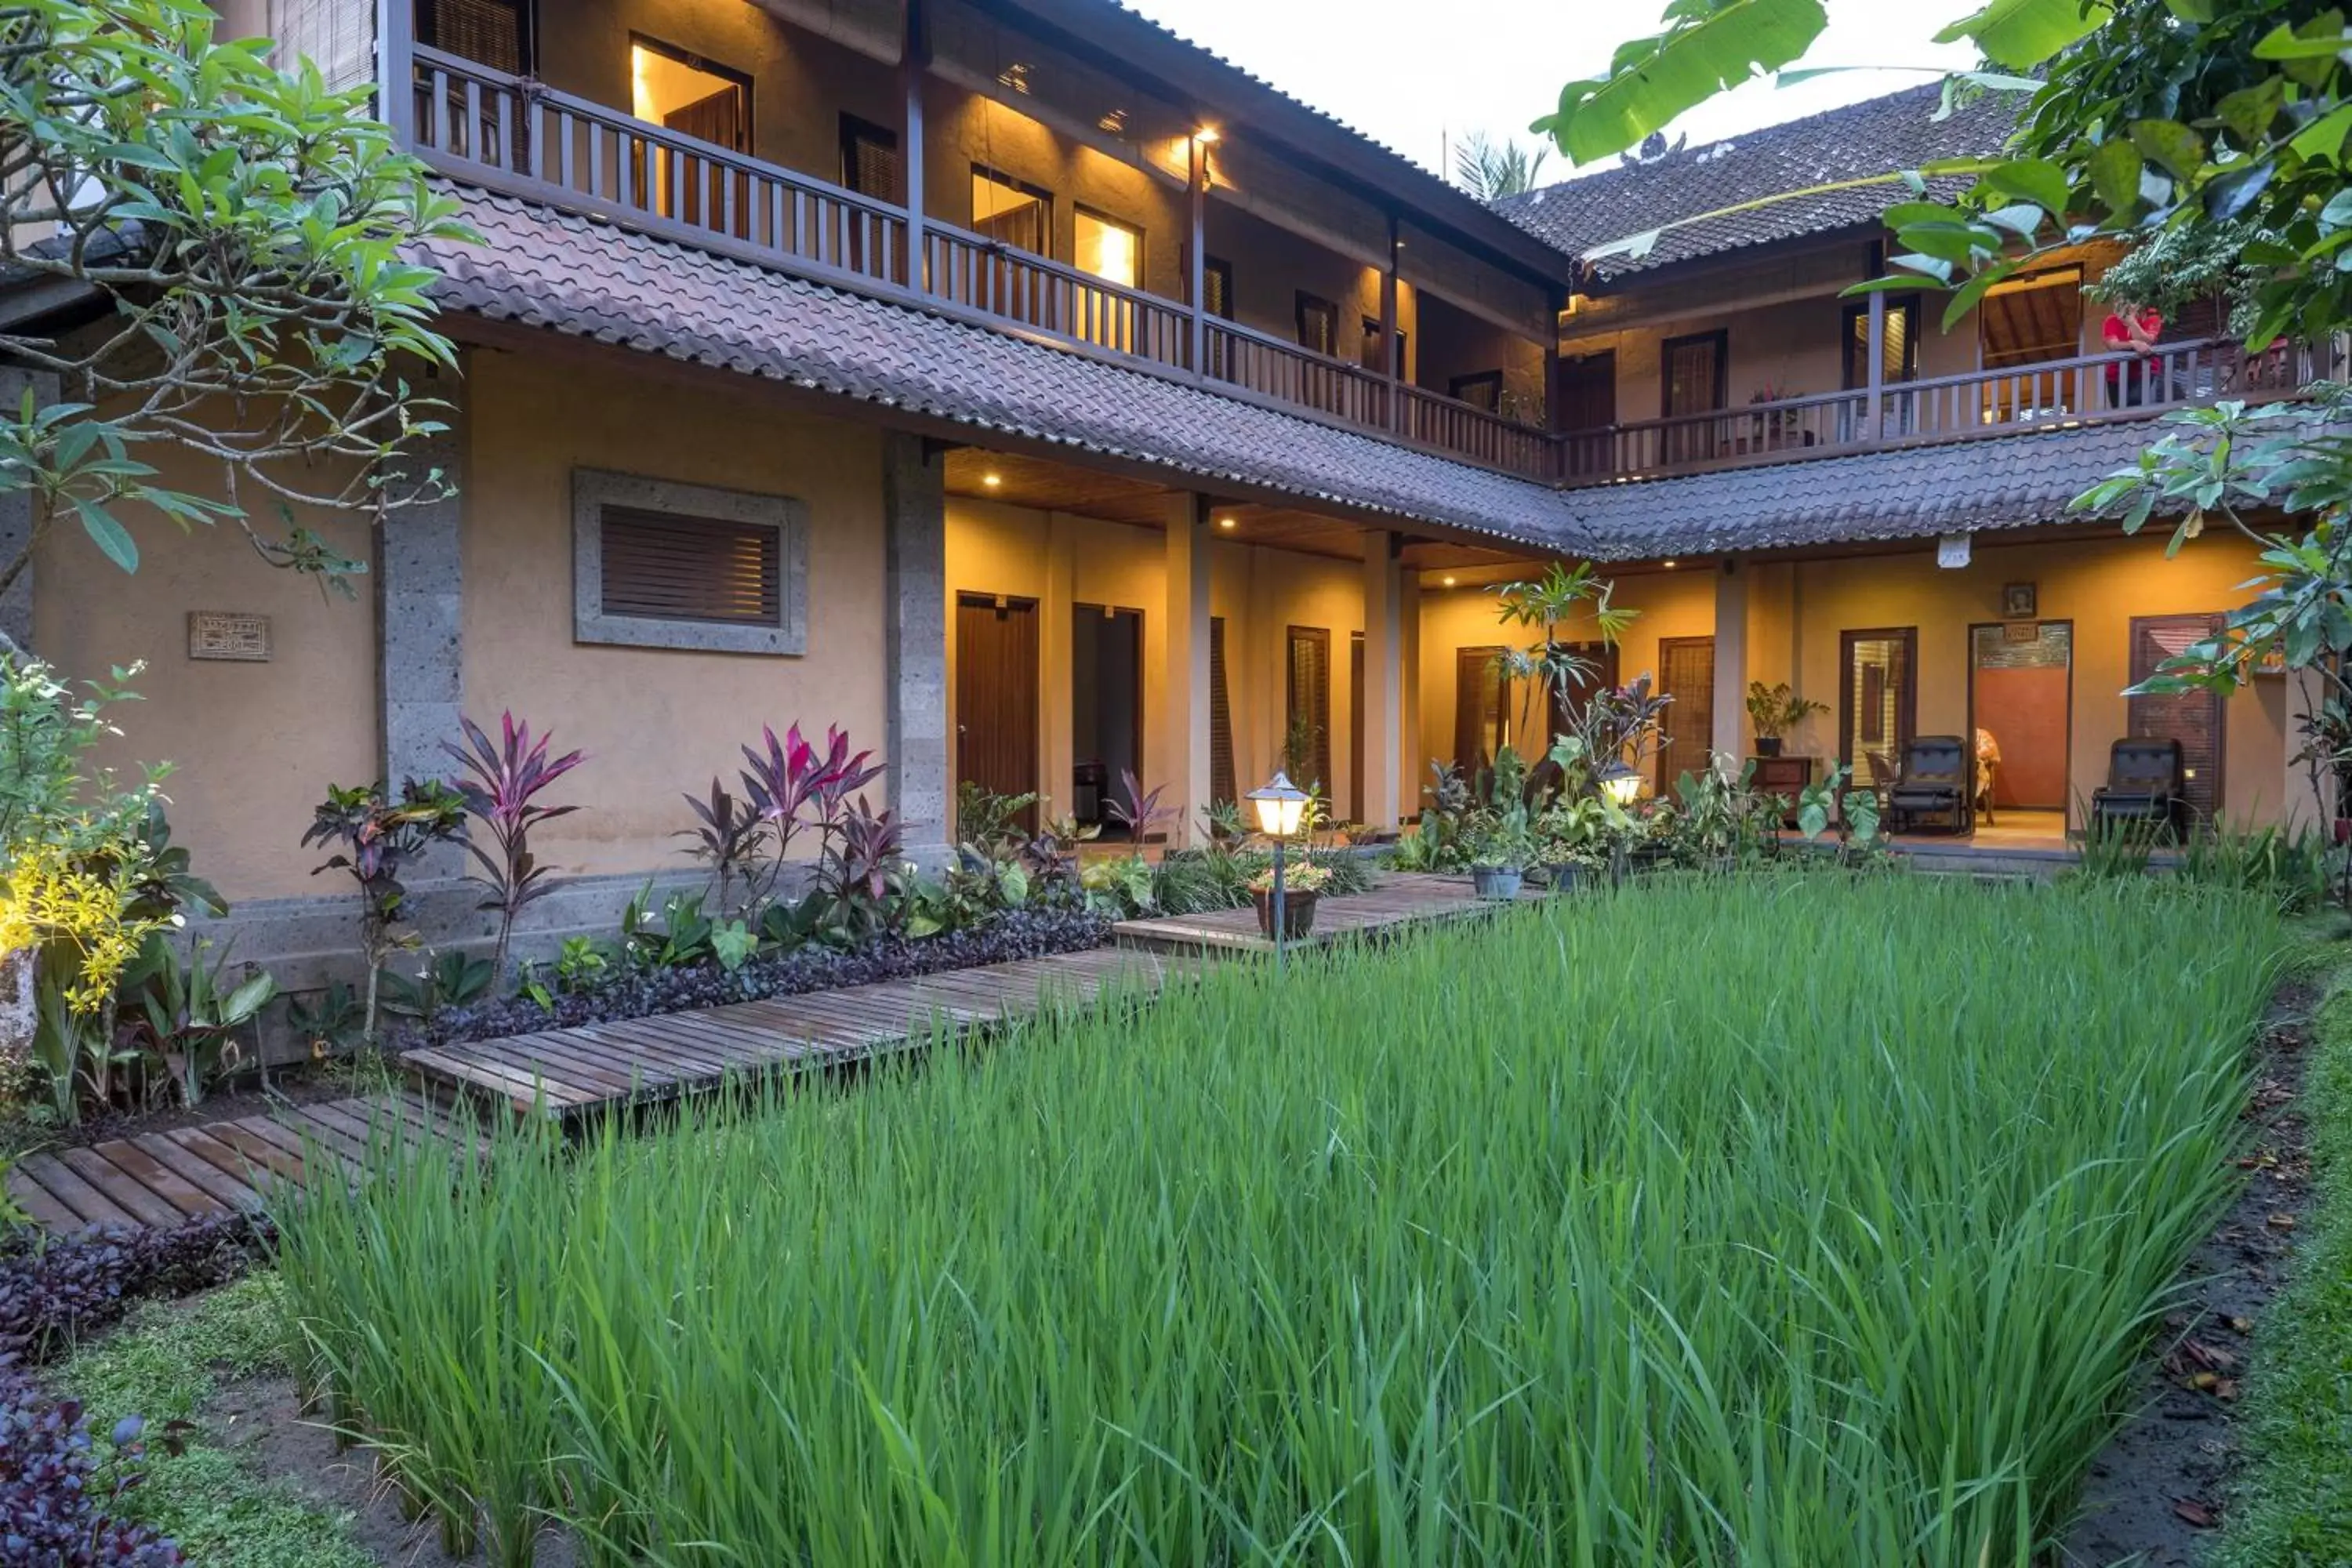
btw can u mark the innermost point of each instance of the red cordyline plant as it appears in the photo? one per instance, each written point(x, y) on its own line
point(792, 785)
point(502, 780)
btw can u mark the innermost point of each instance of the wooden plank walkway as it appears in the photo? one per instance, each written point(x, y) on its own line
point(172, 1176)
point(165, 1177)
point(1401, 900)
point(597, 1068)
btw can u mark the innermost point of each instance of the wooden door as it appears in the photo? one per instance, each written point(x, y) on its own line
point(996, 694)
point(2192, 718)
point(724, 120)
point(1222, 786)
point(1588, 408)
point(1687, 674)
point(1482, 706)
point(1307, 709)
point(1697, 381)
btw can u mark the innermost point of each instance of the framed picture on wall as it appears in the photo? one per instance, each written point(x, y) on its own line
point(2019, 601)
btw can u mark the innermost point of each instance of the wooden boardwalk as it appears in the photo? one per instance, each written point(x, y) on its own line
point(168, 1178)
point(1401, 900)
point(597, 1068)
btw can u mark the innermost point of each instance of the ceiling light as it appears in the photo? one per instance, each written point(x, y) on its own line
point(1228, 522)
point(1447, 582)
point(1669, 565)
point(1205, 134)
point(992, 481)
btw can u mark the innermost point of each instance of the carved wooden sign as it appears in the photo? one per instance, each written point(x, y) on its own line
point(228, 634)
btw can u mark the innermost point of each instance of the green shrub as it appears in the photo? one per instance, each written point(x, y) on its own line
point(1791, 1221)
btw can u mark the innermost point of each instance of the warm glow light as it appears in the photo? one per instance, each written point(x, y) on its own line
point(1205, 134)
point(1669, 565)
point(1621, 783)
point(1228, 522)
point(992, 481)
point(1448, 582)
point(1281, 807)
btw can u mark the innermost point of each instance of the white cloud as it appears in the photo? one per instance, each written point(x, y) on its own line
point(1411, 76)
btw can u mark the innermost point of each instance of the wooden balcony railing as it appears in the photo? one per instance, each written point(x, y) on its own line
point(516, 134)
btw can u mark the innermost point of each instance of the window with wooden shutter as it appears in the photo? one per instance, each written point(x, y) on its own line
point(658, 563)
point(1306, 738)
point(494, 33)
point(691, 568)
point(869, 159)
point(1482, 706)
point(2191, 718)
point(1319, 324)
point(1222, 786)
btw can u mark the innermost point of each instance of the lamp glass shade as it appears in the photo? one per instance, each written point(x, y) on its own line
point(1281, 807)
point(1621, 785)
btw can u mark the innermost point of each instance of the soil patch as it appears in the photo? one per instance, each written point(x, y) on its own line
point(261, 1420)
point(2154, 1495)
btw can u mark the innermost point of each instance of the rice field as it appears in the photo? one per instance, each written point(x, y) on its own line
point(1805, 1223)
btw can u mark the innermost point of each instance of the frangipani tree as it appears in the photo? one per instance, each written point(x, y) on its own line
point(208, 251)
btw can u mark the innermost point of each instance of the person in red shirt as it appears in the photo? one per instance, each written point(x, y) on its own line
point(2131, 326)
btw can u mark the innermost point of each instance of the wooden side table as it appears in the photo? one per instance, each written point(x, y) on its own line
point(1790, 776)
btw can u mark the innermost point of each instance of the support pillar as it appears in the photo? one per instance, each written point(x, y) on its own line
point(1383, 681)
point(1185, 724)
point(2303, 807)
point(915, 643)
point(1411, 766)
point(914, 64)
point(420, 611)
point(1732, 660)
point(1056, 723)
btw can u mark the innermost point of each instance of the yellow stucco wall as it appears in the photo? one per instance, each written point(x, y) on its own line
point(1677, 604)
point(656, 721)
point(2099, 585)
point(255, 744)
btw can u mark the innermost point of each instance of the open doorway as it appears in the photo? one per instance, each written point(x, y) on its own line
point(2021, 712)
point(1105, 710)
point(699, 98)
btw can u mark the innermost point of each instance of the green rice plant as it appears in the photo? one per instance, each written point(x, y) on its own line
point(1770, 1221)
point(2292, 867)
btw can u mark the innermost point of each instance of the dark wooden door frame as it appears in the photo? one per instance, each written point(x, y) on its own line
point(1003, 604)
point(2221, 703)
point(1721, 338)
point(1906, 701)
point(1291, 638)
point(1356, 726)
point(1080, 607)
point(2066, 801)
point(1664, 759)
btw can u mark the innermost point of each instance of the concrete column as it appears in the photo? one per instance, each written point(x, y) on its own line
point(419, 608)
point(1383, 681)
point(915, 643)
point(1732, 660)
point(1056, 724)
point(2303, 807)
point(1185, 725)
point(16, 510)
point(1413, 767)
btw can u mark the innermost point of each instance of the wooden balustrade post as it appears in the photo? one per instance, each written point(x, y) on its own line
point(1388, 354)
point(1196, 287)
point(395, 68)
point(914, 62)
point(1874, 359)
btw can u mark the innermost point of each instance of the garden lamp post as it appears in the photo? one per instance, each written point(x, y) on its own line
point(1620, 783)
point(1281, 805)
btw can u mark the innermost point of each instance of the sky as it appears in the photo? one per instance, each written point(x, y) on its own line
point(1410, 74)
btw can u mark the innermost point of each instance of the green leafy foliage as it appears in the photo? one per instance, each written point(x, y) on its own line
point(1707, 46)
point(190, 1011)
point(246, 232)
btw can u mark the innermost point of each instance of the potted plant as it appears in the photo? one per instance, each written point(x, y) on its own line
point(1300, 885)
point(1501, 855)
point(1775, 711)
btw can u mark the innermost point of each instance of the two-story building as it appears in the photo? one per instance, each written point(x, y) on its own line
point(1041, 397)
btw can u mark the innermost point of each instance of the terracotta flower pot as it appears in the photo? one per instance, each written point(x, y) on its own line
point(1298, 914)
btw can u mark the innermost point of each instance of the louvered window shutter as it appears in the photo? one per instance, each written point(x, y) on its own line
point(2192, 718)
point(487, 32)
point(663, 566)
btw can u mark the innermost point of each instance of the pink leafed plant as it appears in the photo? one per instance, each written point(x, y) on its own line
point(501, 786)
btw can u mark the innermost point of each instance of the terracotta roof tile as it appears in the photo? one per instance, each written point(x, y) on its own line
point(1876, 136)
point(587, 278)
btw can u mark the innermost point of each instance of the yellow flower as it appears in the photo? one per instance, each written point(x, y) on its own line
point(48, 899)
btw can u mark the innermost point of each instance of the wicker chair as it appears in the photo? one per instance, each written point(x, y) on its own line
point(2147, 782)
point(1935, 779)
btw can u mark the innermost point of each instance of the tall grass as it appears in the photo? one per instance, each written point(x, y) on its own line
point(1810, 1222)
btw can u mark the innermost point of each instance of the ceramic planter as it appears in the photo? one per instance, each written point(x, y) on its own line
point(1768, 745)
point(1495, 882)
point(1298, 914)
